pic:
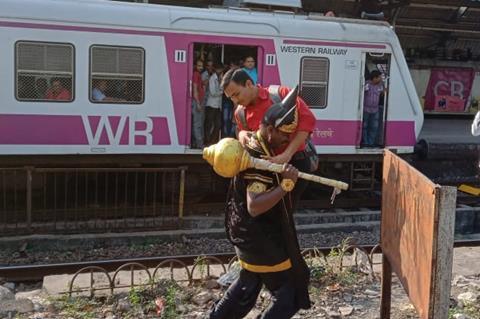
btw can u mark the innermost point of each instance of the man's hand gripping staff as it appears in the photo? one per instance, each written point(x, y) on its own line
point(228, 158)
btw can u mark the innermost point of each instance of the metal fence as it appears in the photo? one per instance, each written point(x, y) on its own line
point(99, 279)
point(72, 200)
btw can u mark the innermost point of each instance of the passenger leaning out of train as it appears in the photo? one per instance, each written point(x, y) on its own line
point(253, 101)
point(57, 91)
point(213, 106)
point(374, 88)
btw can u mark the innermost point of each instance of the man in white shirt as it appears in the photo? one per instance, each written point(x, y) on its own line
point(213, 106)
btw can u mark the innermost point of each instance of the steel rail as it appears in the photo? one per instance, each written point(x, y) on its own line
point(37, 272)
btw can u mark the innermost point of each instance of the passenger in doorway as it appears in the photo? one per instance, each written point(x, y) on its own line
point(233, 65)
point(371, 108)
point(57, 91)
point(258, 222)
point(206, 74)
point(198, 111)
point(249, 67)
point(228, 125)
point(99, 92)
point(213, 106)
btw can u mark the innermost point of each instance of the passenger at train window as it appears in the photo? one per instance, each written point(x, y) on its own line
point(41, 87)
point(213, 106)
point(57, 91)
point(99, 92)
point(198, 112)
point(249, 67)
point(253, 101)
point(371, 108)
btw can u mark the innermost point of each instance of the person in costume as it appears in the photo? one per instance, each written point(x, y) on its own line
point(260, 225)
point(253, 101)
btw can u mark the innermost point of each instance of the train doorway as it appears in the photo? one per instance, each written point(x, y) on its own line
point(374, 101)
point(208, 123)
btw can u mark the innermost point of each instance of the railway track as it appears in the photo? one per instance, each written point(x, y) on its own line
point(37, 272)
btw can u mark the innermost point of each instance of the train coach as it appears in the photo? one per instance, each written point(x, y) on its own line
point(123, 73)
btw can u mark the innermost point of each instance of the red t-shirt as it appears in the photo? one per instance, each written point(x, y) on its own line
point(63, 95)
point(197, 79)
point(255, 112)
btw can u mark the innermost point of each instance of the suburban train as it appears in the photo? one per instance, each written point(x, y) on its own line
point(143, 55)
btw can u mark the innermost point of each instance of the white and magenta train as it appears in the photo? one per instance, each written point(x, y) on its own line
point(151, 50)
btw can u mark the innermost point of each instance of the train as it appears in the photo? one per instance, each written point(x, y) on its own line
point(143, 55)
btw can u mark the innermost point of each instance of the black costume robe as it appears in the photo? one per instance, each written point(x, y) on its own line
point(268, 241)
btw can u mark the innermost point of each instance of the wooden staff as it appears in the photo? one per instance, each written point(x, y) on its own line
point(228, 158)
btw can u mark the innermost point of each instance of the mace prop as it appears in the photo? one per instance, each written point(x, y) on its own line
point(228, 158)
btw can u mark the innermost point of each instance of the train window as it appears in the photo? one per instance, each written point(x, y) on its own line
point(117, 74)
point(44, 71)
point(314, 74)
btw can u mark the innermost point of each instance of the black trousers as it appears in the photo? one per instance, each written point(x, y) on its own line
point(242, 295)
point(212, 125)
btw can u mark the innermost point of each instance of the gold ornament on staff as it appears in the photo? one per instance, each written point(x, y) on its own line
point(228, 158)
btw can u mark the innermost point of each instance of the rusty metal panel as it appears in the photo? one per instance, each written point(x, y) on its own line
point(409, 231)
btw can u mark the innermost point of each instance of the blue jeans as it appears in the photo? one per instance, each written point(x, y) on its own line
point(370, 128)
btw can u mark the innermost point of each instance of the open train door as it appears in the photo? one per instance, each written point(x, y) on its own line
point(373, 123)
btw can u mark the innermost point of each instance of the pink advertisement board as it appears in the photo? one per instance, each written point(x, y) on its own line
point(448, 89)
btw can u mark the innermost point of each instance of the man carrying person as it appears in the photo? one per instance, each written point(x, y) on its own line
point(253, 101)
point(259, 224)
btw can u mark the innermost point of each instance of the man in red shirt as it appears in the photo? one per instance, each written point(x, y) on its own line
point(57, 91)
point(255, 101)
point(198, 109)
